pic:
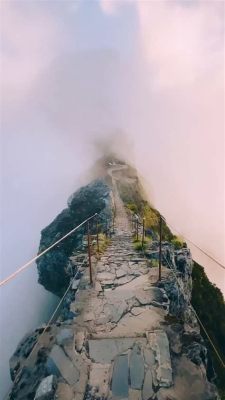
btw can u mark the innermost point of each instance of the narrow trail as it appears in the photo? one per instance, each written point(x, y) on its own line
point(120, 323)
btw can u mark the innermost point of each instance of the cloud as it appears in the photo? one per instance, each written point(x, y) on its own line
point(110, 7)
point(181, 43)
point(29, 42)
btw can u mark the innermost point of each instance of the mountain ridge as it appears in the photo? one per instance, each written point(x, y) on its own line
point(157, 315)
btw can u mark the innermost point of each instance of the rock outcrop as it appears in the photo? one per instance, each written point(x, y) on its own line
point(54, 268)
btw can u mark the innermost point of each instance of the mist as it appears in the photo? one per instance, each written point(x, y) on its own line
point(78, 79)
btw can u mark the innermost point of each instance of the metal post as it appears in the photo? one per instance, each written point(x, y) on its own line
point(97, 234)
point(137, 231)
point(143, 234)
point(89, 252)
point(160, 248)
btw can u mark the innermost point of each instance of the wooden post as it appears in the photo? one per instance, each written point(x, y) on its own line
point(97, 234)
point(160, 248)
point(143, 234)
point(137, 231)
point(89, 252)
point(106, 232)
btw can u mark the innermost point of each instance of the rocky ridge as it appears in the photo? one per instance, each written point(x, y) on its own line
point(128, 336)
point(54, 268)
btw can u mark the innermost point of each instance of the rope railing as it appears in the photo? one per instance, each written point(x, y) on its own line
point(89, 245)
point(197, 246)
point(91, 230)
point(30, 262)
point(136, 223)
point(48, 324)
point(197, 317)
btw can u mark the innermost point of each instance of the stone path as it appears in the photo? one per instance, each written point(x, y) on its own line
point(121, 349)
point(110, 340)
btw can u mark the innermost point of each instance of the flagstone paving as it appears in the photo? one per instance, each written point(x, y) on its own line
point(122, 350)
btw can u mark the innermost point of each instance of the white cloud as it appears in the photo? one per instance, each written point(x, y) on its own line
point(181, 43)
point(29, 41)
point(110, 7)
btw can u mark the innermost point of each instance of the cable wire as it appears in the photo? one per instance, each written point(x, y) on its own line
point(48, 323)
point(23, 267)
point(198, 247)
point(198, 318)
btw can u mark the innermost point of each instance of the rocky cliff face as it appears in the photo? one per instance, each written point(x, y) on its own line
point(54, 268)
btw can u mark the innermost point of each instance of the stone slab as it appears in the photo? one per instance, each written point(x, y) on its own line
point(147, 391)
point(105, 350)
point(159, 343)
point(120, 388)
point(105, 276)
point(59, 362)
point(136, 367)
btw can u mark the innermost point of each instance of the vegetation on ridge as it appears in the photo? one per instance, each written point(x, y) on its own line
point(209, 304)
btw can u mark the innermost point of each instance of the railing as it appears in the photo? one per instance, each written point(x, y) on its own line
point(93, 226)
point(136, 225)
point(85, 223)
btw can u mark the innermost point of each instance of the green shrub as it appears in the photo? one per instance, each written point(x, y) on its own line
point(209, 304)
point(154, 263)
point(132, 207)
point(177, 242)
point(138, 245)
